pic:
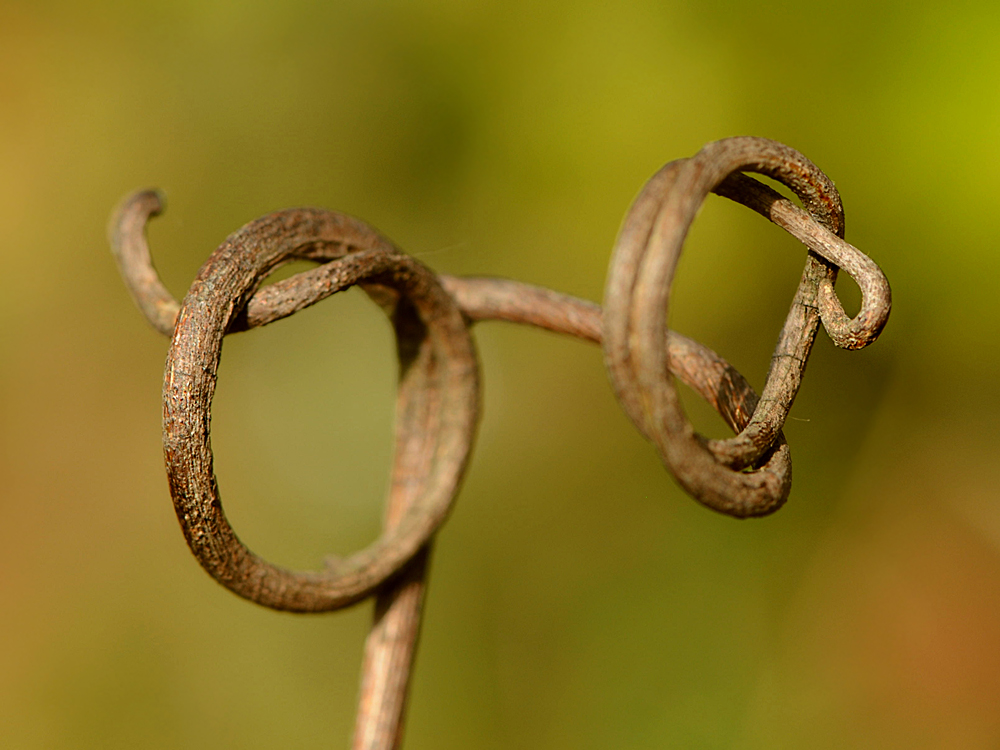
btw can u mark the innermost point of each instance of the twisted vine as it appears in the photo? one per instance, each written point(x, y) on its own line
point(438, 395)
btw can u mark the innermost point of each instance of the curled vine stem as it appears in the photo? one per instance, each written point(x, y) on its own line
point(438, 394)
point(638, 294)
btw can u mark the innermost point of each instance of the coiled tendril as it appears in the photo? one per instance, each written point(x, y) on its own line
point(438, 394)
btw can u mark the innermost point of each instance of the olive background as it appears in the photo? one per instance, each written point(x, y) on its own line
point(578, 598)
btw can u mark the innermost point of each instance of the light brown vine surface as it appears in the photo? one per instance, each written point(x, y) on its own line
point(438, 395)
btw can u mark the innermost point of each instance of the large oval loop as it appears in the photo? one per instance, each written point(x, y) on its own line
point(437, 357)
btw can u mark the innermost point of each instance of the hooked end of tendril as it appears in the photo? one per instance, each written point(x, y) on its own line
point(142, 205)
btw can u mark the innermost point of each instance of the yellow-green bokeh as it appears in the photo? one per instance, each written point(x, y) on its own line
point(578, 598)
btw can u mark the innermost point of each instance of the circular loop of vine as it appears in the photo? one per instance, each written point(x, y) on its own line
point(438, 364)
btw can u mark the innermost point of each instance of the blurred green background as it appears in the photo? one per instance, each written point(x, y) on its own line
point(578, 598)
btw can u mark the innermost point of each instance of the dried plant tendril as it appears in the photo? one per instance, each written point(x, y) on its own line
point(438, 394)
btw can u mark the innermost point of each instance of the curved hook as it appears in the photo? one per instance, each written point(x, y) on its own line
point(127, 235)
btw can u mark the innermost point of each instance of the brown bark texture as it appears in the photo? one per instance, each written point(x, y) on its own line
point(438, 394)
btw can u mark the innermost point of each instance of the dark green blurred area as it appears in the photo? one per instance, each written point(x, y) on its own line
point(578, 598)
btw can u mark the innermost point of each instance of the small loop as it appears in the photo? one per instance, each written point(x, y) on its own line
point(876, 296)
point(637, 297)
